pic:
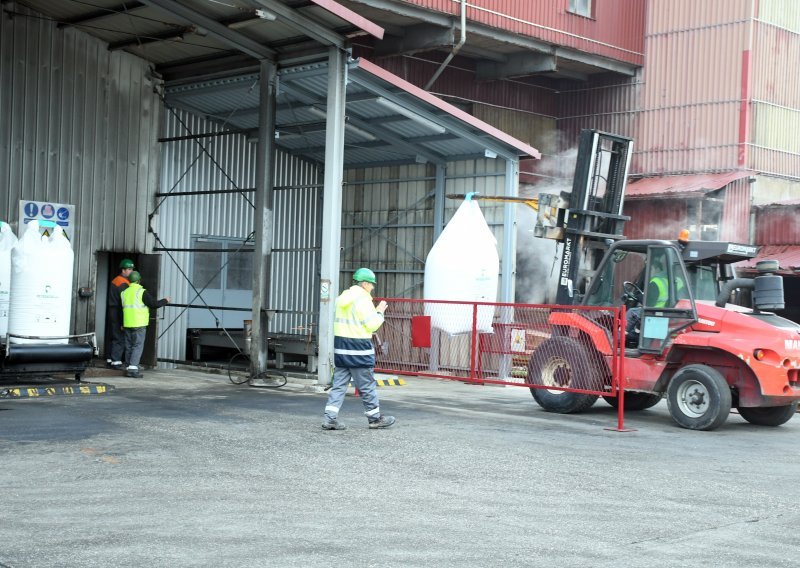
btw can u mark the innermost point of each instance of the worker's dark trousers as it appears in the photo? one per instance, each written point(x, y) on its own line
point(117, 339)
point(134, 345)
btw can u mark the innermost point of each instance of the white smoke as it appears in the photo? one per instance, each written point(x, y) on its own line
point(538, 258)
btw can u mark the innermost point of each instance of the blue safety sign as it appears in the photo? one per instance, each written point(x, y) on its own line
point(48, 215)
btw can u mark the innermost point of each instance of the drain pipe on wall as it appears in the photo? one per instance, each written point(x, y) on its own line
point(456, 47)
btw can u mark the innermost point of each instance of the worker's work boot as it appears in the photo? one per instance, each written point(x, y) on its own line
point(382, 422)
point(133, 372)
point(333, 425)
point(116, 365)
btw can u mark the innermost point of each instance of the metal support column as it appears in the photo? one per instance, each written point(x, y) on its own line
point(508, 271)
point(263, 221)
point(332, 209)
point(509, 262)
point(438, 227)
point(438, 202)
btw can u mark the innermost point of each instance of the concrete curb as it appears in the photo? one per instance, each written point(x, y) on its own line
point(54, 390)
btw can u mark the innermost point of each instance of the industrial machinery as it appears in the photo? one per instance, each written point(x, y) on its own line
point(684, 340)
point(689, 344)
point(42, 359)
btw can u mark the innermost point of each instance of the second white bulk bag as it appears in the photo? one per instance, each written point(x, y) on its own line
point(41, 285)
point(7, 242)
point(463, 265)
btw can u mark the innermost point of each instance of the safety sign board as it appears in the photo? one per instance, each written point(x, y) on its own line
point(59, 213)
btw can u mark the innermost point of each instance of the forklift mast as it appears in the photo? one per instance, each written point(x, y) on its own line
point(594, 218)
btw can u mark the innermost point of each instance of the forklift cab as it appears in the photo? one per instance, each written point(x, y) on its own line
point(650, 279)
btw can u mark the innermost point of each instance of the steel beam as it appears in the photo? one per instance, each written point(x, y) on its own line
point(214, 28)
point(423, 37)
point(303, 24)
point(517, 65)
point(508, 272)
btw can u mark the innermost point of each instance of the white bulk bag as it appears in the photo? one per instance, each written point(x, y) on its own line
point(41, 285)
point(7, 241)
point(463, 265)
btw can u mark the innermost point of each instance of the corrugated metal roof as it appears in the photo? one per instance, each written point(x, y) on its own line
point(388, 120)
point(674, 186)
point(788, 256)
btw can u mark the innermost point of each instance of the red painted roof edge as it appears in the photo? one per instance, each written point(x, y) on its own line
point(787, 255)
point(433, 100)
point(691, 183)
point(349, 16)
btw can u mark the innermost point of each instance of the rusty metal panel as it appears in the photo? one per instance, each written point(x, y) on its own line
point(655, 218)
point(735, 225)
point(458, 81)
point(615, 29)
point(78, 126)
point(690, 105)
point(777, 225)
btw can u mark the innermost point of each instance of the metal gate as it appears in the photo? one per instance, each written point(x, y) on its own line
point(561, 348)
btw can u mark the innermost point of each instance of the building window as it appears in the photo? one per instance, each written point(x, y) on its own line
point(581, 7)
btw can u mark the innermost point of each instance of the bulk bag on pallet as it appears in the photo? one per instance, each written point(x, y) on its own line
point(463, 265)
point(7, 242)
point(41, 285)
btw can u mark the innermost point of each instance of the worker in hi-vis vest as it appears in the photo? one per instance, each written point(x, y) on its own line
point(136, 304)
point(114, 314)
point(355, 321)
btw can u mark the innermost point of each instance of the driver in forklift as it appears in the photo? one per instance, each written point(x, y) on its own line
point(658, 295)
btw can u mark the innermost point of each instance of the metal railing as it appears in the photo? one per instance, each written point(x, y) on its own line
point(559, 348)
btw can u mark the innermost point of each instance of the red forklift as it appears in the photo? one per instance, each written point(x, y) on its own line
point(684, 338)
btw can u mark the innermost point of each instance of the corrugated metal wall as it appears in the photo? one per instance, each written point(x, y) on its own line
point(655, 219)
point(610, 104)
point(775, 92)
point(387, 221)
point(735, 222)
point(778, 225)
point(231, 164)
point(78, 125)
point(690, 105)
point(614, 31)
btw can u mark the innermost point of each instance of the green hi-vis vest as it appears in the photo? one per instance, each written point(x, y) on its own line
point(663, 291)
point(134, 312)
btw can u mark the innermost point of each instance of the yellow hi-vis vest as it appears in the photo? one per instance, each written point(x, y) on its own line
point(355, 321)
point(663, 291)
point(134, 312)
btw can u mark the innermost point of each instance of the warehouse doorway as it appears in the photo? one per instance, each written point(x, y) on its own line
point(149, 265)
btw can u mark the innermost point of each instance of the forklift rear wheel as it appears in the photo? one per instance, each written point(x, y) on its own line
point(768, 415)
point(699, 398)
point(635, 400)
point(562, 362)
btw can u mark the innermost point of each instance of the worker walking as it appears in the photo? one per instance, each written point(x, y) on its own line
point(114, 314)
point(356, 320)
point(136, 304)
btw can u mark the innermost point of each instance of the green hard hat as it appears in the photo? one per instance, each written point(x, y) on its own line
point(134, 277)
point(364, 275)
point(126, 263)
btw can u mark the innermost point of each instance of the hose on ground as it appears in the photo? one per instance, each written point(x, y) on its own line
point(269, 379)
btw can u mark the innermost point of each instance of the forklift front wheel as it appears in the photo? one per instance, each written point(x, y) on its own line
point(699, 398)
point(563, 362)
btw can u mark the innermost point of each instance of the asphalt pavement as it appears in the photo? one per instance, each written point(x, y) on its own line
point(182, 468)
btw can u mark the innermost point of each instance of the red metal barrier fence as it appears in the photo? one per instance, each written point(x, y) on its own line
point(560, 348)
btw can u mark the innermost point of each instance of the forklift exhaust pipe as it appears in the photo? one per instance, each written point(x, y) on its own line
point(767, 288)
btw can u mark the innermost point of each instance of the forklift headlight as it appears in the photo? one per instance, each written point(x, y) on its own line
point(759, 354)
